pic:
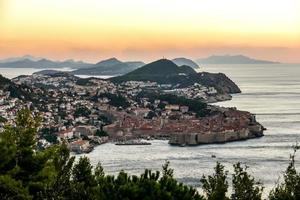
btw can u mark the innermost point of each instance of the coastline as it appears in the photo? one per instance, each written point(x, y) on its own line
point(216, 136)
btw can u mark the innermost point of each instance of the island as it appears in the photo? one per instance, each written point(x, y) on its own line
point(232, 59)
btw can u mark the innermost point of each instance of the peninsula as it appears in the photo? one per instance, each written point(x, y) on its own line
point(157, 100)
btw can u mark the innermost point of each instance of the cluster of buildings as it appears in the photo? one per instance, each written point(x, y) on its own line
point(68, 110)
point(196, 91)
point(178, 124)
point(79, 112)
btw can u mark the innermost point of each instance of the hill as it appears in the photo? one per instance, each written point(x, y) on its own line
point(160, 71)
point(110, 66)
point(166, 72)
point(185, 61)
point(232, 59)
point(17, 91)
point(30, 62)
point(47, 72)
point(109, 62)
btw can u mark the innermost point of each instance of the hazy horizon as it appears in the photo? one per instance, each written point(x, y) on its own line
point(37, 58)
point(147, 30)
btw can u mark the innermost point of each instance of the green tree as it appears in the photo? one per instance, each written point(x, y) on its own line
point(82, 111)
point(10, 189)
point(49, 135)
point(83, 180)
point(101, 133)
point(116, 100)
point(61, 164)
point(245, 187)
point(21, 164)
point(290, 188)
point(167, 171)
point(215, 187)
point(151, 115)
point(2, 120)
point(8, 151)
point(29, 173)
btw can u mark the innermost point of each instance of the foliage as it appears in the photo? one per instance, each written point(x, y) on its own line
point(151, 115)
point(290, 188)
point(28, 173)
point(244, 185)
point(83, 82)
point(195, 105)
point(82, 111)
point(216, 186)
point(2, 120)
point(105, 118)
point(116, 100)
point(101, 133)
point(12, 189)
point(17, 91)
point(62, 114)
point(21, 165)
point(49, 134)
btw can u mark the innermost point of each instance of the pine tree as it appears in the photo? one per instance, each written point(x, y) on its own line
point(290, 188)
point(245, 187)
point(215, 187)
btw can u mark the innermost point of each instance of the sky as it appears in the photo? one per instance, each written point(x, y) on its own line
point(92, 30)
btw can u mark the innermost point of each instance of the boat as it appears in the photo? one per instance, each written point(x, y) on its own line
point(132, 142)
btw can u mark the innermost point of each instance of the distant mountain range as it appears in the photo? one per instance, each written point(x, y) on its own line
point(110, 66)
point(113, 66)
point(37, 63)
point(25, 57)
point(232, 59)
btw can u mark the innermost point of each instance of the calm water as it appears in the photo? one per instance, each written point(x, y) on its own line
point(270, 91)
point(12, 73)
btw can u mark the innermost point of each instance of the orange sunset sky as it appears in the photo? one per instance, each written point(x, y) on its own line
point(92, 30)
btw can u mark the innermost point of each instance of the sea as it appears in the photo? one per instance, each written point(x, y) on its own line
point(270, 91)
